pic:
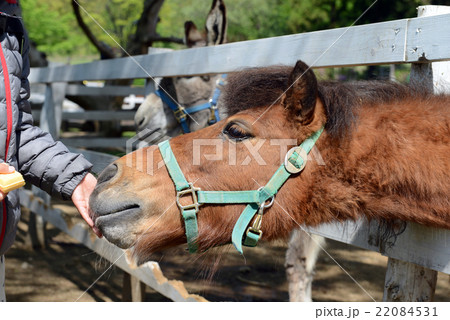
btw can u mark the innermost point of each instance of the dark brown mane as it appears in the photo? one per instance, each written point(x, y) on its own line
point(262, 87)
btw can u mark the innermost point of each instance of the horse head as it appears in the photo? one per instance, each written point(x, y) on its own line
point(154, 114)
point(134, 203)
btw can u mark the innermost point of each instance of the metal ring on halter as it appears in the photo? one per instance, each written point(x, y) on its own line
point(264, 205)
point(220, 82)
point(290, 167)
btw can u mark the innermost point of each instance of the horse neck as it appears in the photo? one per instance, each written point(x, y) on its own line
point(390, 166)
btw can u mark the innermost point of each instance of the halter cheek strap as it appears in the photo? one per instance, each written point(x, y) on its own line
point(256, 200)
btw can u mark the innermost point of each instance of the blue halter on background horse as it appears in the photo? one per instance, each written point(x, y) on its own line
point(256, 200)
point(181, 113)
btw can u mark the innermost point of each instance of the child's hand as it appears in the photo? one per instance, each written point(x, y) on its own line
point(80, 198)
point(5, 169)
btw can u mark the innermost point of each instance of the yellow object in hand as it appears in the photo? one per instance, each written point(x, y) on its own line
point(11, 181)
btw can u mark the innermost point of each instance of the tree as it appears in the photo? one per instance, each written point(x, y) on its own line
point(52, 26)
point(132, 38)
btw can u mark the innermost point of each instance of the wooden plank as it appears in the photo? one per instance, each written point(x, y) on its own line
point(370, 44)
point(93, 115)
point(95, 142)
point(99, 115)
point(428, 37)
point(417, 244)
point(149, 273)
point(115, 91)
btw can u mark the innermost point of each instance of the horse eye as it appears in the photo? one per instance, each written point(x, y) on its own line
point(236, 132)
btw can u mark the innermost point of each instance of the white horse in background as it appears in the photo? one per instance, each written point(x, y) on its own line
point(186, 92)
point(156, 116)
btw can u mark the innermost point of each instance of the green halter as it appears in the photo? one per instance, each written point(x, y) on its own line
point(256, 200)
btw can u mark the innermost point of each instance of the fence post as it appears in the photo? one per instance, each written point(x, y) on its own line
point(50, 121)
point(407, 281)
point(133, 290)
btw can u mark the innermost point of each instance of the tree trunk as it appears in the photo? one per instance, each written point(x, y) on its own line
point(138, 44)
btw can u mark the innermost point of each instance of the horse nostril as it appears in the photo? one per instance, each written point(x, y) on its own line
point(108, 173)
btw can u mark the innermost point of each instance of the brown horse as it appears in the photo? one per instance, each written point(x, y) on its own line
point(384, 147)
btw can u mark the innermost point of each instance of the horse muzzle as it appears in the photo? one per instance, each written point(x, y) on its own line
point(115, 214)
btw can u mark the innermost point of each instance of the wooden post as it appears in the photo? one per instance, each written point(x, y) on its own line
point(50, 121)
point(132, 290)
point(37, 225)
point(51, 114)
point(301, 257)
point(407, 281)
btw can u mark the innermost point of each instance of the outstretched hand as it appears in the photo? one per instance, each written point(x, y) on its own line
point(5, 169)
point(80, 198)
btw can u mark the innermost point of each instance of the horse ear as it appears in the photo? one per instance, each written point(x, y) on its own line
point(301, 96)
point(216, 24)
point(192, 37)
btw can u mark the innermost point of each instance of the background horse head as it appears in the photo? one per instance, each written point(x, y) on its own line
point(385, 148)
point(154, 114)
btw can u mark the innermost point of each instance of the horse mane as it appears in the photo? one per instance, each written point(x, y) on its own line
point(262, 87)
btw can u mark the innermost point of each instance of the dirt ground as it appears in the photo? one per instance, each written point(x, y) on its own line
point(67, 271)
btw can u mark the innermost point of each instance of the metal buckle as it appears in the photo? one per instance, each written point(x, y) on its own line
point(220, 82)
point(191, 190)
point(290, 167)
point(256, 227)
point(180, 114)
point(213, 108)
point(213, 105)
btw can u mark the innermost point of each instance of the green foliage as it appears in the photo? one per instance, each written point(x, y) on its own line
point(51, 26)
point(174, 13)
point(117, 17)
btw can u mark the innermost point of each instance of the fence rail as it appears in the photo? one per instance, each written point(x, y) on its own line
point(415, 40)
point(149, 273)
point(418, 40)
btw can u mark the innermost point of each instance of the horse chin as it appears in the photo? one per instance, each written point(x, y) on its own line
point(115, 238)
point(117, 227)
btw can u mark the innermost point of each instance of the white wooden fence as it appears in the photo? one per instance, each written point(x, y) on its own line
point(417, 253)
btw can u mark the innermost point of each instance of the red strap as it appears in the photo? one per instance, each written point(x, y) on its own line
point(9, 121)
point(2, 234)
point(12, 1)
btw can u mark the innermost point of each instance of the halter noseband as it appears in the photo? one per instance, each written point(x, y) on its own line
point(256, 200)
point(182, 113)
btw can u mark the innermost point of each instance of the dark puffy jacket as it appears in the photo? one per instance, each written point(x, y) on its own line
point(42, 161)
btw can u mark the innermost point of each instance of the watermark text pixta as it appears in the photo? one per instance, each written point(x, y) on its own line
point(198, 152)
